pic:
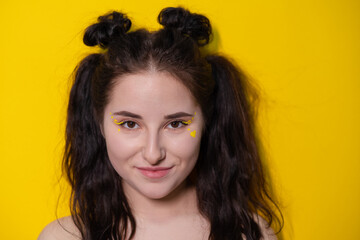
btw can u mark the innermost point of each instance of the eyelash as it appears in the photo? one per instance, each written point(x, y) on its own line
point(184, 123)
point(124, 123)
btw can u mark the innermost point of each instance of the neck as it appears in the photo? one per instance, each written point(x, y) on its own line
point(181, 202)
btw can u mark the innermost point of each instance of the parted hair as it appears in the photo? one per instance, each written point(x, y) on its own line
point(229, 177)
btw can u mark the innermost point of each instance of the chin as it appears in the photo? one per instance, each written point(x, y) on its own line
point(157, 194)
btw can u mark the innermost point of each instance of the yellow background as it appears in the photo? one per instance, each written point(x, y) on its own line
point(304, 54)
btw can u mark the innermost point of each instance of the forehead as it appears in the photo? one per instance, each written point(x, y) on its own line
point(151, 90)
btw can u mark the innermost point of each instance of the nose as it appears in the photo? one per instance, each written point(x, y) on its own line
point(153, 152)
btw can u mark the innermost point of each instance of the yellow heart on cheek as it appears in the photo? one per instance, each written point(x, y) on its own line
point(193, 133)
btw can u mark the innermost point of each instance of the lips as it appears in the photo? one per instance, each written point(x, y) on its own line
point(154, 172)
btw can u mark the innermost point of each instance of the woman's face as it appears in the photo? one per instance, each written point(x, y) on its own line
point(152, 127)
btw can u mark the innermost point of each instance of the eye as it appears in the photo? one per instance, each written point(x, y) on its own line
point(129, 124)
point(177, 124)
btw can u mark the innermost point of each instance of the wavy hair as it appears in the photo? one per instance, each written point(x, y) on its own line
point(230, 183)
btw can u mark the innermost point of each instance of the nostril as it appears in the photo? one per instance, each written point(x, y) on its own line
point(154, 155)
point(153, 151)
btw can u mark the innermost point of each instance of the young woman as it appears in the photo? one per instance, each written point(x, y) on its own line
point(160, 140)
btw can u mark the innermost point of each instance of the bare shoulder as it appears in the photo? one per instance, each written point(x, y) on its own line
point(60, 229)
point(267, 231)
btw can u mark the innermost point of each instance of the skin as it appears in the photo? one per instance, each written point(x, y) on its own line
point(153, 108)
point(150, 136)
point(157, 137)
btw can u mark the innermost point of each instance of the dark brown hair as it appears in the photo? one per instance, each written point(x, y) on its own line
point(229, 179)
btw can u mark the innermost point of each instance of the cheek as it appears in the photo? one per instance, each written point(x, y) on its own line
point(121, 151)
point(185, 147)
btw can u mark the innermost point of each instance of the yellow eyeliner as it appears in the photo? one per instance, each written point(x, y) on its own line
point(186, 122)
point(190, 121)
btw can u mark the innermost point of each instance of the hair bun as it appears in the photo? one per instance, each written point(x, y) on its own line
point(108, 27)
point(195, 25)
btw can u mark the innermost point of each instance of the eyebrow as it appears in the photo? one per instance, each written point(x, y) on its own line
point(178, 115)
point(128, 114)
point(170, 116)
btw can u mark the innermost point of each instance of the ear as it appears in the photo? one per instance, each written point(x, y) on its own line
point(101, 126)
point(99, 122)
